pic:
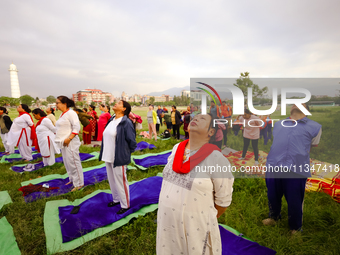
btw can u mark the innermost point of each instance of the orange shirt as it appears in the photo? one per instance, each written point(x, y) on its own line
point(226, 110)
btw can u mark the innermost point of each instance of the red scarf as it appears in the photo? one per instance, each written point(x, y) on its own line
point(38, 123)
point(183, 168)
point(33, 134)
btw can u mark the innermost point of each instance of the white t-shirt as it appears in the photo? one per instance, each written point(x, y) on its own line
point(109, 141)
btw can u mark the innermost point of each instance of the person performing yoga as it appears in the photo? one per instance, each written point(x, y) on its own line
point(67, 140)
point(5, 126)
point(191, 201)
point(45, 136)
point(22, 133)
point(119, 141)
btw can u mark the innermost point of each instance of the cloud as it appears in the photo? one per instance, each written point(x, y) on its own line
point(141, 47)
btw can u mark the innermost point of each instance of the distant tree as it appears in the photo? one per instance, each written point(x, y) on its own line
point(50, 99)
point(4, 101)
point(244, 82)
point(27, 99)
point(152, 100)
point(45, 103)
point(79, 103)
point(93, 103)
point(14, 101)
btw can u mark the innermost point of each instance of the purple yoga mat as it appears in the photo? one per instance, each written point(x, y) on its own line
point(236, 245)
point(39, 165)
point(16, 152)
point(35, 156)
point(144, 145)
point(90, 178)
point(94, 212)
point(157, 160)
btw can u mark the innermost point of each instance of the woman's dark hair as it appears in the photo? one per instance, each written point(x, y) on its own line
point(85, 109)
point(174, 106)
point(77, 110)
point(52, 110)
point(127, 107)
point(247, 111)
point(65, 100)
point(211, 125)
point(25, 107)
point(40, 112)
point(92, 107)
point(3, 109)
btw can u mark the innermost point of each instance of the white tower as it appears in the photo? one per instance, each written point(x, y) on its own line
point(15, 89)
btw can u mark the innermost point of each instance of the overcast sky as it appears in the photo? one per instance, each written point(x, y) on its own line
point(61, 47)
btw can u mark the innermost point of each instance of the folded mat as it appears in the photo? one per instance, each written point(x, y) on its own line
point(234, 243)
point(83, 157)
point(92, 175)
point(151, 159)
point(53, 227)
point(17, 157)
point(4, 199)
point(144, 145)
point(65, 231)
point(8, 243)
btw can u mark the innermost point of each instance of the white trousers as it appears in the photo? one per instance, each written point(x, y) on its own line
point(24, 150)
point(118, 184)
point(72, 162)
point(4, 142)
point(51, 159)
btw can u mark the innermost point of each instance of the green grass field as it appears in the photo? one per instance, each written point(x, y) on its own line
point(321, 227)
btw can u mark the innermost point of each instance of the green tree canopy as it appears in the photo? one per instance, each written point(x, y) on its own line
point(26, 99)
point(50, 99)
point(244, 82)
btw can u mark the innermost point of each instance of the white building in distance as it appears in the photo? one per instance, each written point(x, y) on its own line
point(15, 89)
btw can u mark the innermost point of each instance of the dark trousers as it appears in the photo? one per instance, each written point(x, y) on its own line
point(254, 144)
point(157, 127)
point(269, 129)
point(225, 133)
point(294, 191)
point(175, 130)
point(263, 133)
point(160, 119)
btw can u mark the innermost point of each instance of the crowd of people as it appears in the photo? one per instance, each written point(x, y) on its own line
point(189, 205)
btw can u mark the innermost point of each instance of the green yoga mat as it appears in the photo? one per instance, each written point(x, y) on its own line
point(4, 198)
point(52, 228)
point(95, 154)
point(8, 243)
point(14, 155)
point(133, 157)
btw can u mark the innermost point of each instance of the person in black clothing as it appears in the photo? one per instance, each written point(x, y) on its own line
point(176, 121)
point(5, 126)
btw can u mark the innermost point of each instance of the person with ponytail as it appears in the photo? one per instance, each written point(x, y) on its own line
point(92, 112)
point(103, 119)
point(119, 141)
point(5, 126)
point(68, 142)
point(50, 115)
point(45, 135)
point(22, 133)
point(192, 198)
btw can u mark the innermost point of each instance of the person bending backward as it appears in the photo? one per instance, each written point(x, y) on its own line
point(68, 142)
point(22, 133)
point(5, 126)
point(290, 149)
point(118, 143)
point(50, 115)
point(45, 135)
point(251, 132)
point(190, 203)
point(103, 119)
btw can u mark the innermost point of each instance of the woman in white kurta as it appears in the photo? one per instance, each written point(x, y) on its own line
point(45, 135)
point(68, 142)
point(22, 132)
point(191, 201)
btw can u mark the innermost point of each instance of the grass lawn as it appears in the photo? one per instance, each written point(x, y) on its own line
point(321, 227)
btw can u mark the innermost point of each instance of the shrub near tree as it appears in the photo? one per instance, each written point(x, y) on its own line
point(27, 99)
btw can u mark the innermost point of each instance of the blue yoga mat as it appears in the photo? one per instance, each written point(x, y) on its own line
point(94, 212)
point(144, 145)
point(157, 160)
point(236, 245)
point(39, 165)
